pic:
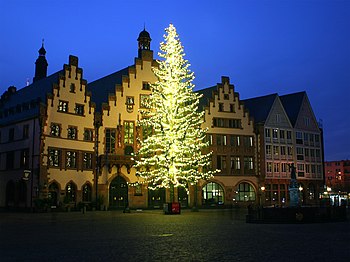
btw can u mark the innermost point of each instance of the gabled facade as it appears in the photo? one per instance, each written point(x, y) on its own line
point(232, 141)
point(124, 95)
point(274, 133)
point(68, 158)
point(308, 145)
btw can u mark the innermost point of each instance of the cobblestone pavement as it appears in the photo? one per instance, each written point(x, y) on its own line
point(207, 235)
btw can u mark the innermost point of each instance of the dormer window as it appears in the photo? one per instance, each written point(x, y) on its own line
point(130, 103)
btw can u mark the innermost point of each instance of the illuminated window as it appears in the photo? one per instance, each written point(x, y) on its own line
point(235, 163)
point(245, 193)
point(25, 158)
point(110, 140)
point(62, 106)
point(275, 134)
point(130, 102)
point(248, 163)
point(79, 109)
point(144, 100)
point(54, 157)
point(235, 141)
point(269, 167)
point(71, 159)
point(221, 140)
point(268, 150)
point(87, 160)
point(267, 133)
point(72, 132)
point(128, 132)
point(55, 129)
point(71, 192)
point(213, 194)
point(87, 193)
point(248, 141)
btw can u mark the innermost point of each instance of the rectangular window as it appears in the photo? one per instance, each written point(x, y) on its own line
point(79, 109)
point(11, 134)
point(248, 163)
point(144, 101)
point(54, 157)
point(221, 140)
point(232, 108)
point(234, 140)
point(278, 118)
point(301, 170)
point(267, 133)
point(88, 134)
point(128, 132)
point(300, 153)
point(290, 151)
point(269, 167)
point(282, 134)
point(25, 131)
point(221, 107)
point(221, 162)
point(299, 138)
point(276, 151)
point(63, 106)
point(235, 163)
point(87, 160)
point(25, 158)
point(275, 134)
point(306, 152)
point(284, 167)
point(209, 139)
point(283, 150)
point(248, 141)
point(227, 122)
point(55, 129)
point(146, 86)
point(307, 169)
point(10, 157)
point(110, 140)
point(71, 159)
point(268, 149)
point(276, 167)
point(289, 135)
point(72, 132)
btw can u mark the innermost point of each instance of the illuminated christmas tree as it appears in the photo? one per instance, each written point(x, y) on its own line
point(172, 155)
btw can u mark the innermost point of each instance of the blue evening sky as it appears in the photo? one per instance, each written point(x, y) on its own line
point(264, 46)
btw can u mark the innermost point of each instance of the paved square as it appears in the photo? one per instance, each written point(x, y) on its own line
point(207, 235)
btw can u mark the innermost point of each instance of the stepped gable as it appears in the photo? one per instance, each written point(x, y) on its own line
point(260, 107)
point(292, 104)
point(101, 88)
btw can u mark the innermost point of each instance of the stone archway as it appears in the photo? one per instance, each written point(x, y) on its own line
point(118, 193)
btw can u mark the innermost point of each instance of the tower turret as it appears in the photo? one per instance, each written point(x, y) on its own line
point(144, 41)
point(41, 64)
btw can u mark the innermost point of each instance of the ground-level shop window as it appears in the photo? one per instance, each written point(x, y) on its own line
point(213, 194)
point(246, 192)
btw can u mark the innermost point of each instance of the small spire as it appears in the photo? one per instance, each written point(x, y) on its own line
point(144, 26)
point(42, 42)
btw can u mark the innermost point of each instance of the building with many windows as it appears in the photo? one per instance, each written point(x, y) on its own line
point(288, 133)
point(66, 142)
point(337, 175)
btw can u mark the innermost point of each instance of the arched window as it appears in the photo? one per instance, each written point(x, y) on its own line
point(71, 190)
point(53, 193)
point(246, 192)
point(213, 194)
point(87, 193)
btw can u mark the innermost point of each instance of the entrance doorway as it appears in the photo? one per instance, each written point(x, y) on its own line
point(118, 193)
point(183, 197)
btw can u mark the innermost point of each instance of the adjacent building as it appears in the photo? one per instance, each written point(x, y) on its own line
point(68, 143)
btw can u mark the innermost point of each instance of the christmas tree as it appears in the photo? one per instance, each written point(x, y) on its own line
point(173, 153)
